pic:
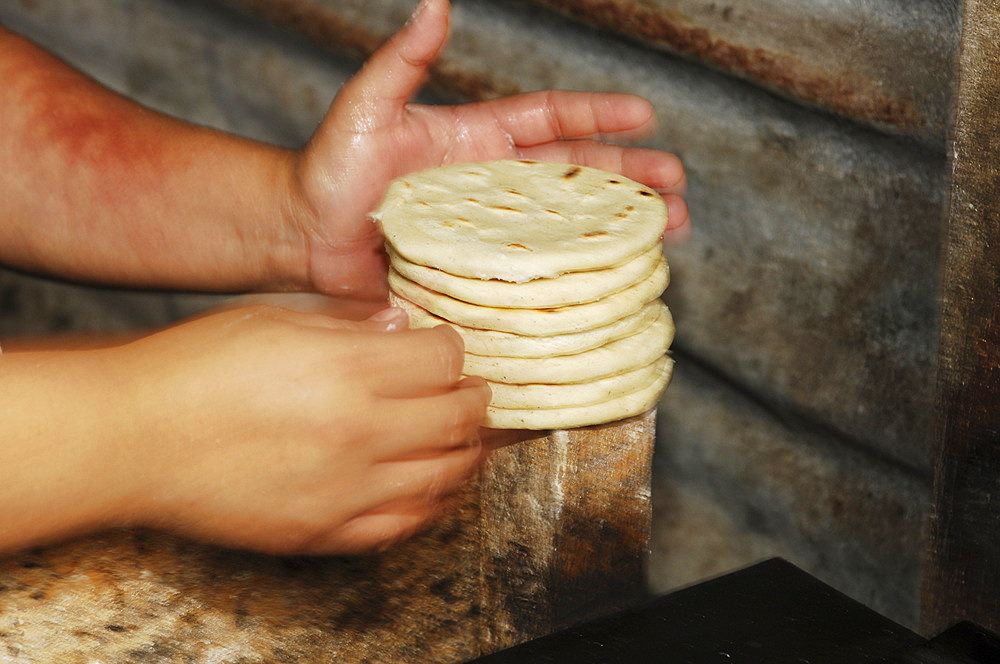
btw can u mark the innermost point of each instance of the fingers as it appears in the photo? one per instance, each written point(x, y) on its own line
point(411, 494)
point(406, 363)
point(429, 425)
point(427, 479)
point(559, 125)
point(376, 532)
point(414, 362)
point(659, 170)
point(393, 73)
point(391, 319)
point(537, 118)
point(414, 376)
point(338, 307)
point(420, 490)
point(678, 223)
point(380, 529)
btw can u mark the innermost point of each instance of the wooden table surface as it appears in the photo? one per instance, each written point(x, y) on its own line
point(554, 531)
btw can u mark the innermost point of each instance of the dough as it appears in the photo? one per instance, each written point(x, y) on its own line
point(519, 220)
point(535, 322)
point(566, 289)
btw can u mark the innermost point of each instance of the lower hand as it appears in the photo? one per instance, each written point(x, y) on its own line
point(293, 432)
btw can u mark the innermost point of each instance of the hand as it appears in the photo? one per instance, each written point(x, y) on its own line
point(292, 432)
point(343, 308)
point(373, 134)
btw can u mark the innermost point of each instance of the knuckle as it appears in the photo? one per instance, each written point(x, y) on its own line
point(451, 351)
point(437, 485)
point(396, 531)
point(469, 418)
point(466, 421)
point(295, 538)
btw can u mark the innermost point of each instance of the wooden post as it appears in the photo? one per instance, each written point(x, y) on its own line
point(555, 531)
point(566, 521)
point(962, 571)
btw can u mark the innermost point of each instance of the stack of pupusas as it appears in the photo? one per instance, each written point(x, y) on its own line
point(552, 275)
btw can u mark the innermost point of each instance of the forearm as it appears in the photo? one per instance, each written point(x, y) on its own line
point(61, 448)
point(98, 188)
point(66, 341)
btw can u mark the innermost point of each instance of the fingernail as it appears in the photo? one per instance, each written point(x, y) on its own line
point(478, 382)
point(418, 10)
point(387, 314)
point(393, 317)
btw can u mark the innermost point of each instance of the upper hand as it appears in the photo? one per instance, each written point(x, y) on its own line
point(373, 134)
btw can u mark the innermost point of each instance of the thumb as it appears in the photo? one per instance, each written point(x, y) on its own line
point(393, 73)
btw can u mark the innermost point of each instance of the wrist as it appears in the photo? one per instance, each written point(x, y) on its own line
point(296, 220)
point(270, 222)
point(343, 253)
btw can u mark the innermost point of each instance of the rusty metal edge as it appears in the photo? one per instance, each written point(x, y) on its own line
point(847, 96)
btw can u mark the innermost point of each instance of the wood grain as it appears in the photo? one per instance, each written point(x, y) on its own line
point(566, 524)
point(962, 571)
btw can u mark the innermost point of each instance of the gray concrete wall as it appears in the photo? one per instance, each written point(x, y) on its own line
point(806, 302)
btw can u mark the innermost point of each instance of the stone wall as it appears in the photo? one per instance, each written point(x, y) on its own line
point(815, 137)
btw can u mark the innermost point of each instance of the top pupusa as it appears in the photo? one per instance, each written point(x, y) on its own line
point(517, 221)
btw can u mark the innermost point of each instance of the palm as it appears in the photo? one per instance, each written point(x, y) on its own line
point(373, 134)
point(422, 137)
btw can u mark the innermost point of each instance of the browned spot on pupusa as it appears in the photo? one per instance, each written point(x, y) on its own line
point(572, 173)
point(514, 245)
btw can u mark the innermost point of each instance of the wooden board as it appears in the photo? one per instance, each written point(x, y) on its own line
point(962, 572)
point(566, 522)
